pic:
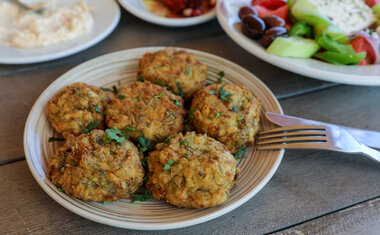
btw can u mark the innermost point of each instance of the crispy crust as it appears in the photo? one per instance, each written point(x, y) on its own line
point(73, 108)
point(169, 67)
point(233, 121)
point(89, 169)
point(202, 174)
point(150, 109)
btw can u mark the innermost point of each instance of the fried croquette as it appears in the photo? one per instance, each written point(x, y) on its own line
point(90, 169)
point(146, 109)
point(228, 113)
point(75, 107)
point(180, 71)
point(191, 171)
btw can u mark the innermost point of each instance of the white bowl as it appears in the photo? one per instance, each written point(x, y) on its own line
point(227, 14)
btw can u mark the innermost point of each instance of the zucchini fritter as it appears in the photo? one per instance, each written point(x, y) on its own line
point(92, 170)
point(228, 113)
point(192, 171)
point(180, 71)
point(147, 110)
point(73, 108)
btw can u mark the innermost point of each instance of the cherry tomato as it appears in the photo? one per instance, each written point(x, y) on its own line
point(281, 11)
point(360, 44)
point(372, 3)
point(270, 4)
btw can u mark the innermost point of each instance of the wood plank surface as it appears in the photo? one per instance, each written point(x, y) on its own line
point(307, 183)
point(359, 219)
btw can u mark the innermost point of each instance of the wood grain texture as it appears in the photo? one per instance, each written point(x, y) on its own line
point(359, 219)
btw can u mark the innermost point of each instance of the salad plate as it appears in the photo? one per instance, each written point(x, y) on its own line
point(256, 168)
point(106, 14)
point(227, 14)
point(138, 8)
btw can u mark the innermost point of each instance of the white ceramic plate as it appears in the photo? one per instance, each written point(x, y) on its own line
point(106, 17)
point(137, 8)
point(227, 14)
point(256, 169)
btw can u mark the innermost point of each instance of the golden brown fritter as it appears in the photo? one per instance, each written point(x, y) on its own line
point(192, 171)
point(178, 70)
point(88, 168)
point(147, 110)
point(228, 113)
point(73, 108)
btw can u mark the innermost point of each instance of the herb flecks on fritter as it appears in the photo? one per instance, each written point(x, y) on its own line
point(97, 167)
point(178, 70)
point(192, 171)
point(76, 108)
point(147, 110)
point(228, 113)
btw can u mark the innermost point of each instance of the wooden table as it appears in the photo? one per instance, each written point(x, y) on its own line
point(312, 192)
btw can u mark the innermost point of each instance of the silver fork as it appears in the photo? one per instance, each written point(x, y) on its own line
point(313, 137)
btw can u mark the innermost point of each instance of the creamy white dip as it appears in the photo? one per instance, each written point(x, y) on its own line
point(348, 15)
point(27, 29)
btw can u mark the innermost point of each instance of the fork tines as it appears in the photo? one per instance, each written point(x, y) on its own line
point(297, 136)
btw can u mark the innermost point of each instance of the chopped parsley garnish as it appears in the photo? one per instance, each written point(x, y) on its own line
point(249, 98)
point(106, 202)
point(236, 109)
point(224, 94)
point(142, 198)
point(192, 112)
point(158, 81)
point(77, 93)
point(128, 129)
point(169, 138)
point(159, 96)
point(114, 90)
point(218, 114)
point(121, 97)
point(240, 153)
point(171, 113)
point(114, 134)
point(212, 92)
point(240, 118)
point(184, 142)
point(144, 162)
point(221, 76)
point(186, 154)
point(141, 78)
point(242, 107)
point(91, 126)
point(169, 164)
point(98, 110)
point(105, 89)
point(180, 93)
point(144, 144)
point(187, 71)
point(119, 82)
point(52, 139)
point(177, 103)
point(61, 190)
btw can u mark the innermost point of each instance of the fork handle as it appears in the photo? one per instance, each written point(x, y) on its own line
point(370, 152)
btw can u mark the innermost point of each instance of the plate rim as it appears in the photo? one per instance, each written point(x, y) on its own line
point(70, 50)
point(133, 225)
point(170, 22)
point(287, 64)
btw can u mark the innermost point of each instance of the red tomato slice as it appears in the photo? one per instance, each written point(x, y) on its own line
point(360, 44)
point(281, 11)
point(372, 3)
point(270, 4)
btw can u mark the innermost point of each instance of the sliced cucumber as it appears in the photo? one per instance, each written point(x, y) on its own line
point(296, 47)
